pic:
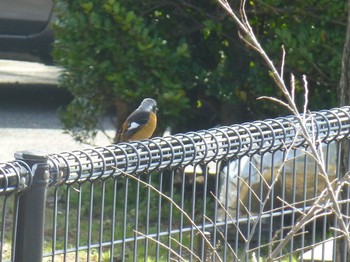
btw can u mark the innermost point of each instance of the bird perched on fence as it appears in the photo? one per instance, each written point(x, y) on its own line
point(141, 123)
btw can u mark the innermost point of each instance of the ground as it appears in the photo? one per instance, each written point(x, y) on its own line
point(29, 100)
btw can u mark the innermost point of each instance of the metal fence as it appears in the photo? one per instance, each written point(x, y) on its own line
point(203, 195)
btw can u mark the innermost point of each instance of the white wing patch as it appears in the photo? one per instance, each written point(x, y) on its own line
point(133, 125)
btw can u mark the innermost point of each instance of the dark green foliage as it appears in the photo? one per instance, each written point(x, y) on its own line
point(313, 34)
point(188, 56)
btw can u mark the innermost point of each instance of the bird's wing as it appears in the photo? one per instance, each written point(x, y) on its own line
point(132, 125)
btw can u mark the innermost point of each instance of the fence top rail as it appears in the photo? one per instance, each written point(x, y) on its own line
point(15, 177)
point(197, 147)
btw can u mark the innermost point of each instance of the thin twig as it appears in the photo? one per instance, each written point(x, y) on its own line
point(223, 237)
point(276, 100)
point(306, 94)
point(283, 61)
point(292, 85)
point(230, 217)
point(161, 244)
point(186, 248)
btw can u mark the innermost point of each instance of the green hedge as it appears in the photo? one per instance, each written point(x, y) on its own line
point(188, 56)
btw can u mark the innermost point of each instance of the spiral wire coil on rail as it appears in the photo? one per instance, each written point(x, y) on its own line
point(198, 147)
point(180, 150)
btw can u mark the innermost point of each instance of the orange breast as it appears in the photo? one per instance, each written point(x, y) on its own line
point(147, 130)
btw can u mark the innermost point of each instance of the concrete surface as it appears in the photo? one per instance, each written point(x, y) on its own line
point(18, 72)
point(29, 101)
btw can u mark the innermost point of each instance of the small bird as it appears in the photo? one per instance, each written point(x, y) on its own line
point(141, 123)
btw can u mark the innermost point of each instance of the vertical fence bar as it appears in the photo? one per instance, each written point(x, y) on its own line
point(346, 206)
point(182, 206)
point(337, 176)
point(77, 233)
point(54, 223)
point(66, 223)
point(238, 206)
point(261, 207)
point(159, 216)
point(216, 205)
point(148, 208)
point(305, 176)
point(170, 226)
point(224, 228)
point(31, 210)
point(326, 158)
point(2, 232)
point(284, 195)
point(193, 214)
point(136, 223)
point(314, 224)
point(272, 195)
point(248, 205)
point(294, 183)
point(15, 228)
point(113, 222)
point(125, 217)
point(102, 210)
point(205, 251)
point(90, 222)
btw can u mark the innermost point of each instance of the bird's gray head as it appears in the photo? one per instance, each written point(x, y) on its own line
point(149, 104)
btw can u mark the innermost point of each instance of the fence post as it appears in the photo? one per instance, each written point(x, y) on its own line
point(31, 210)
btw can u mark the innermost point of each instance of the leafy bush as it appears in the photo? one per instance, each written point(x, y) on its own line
point(188, 56)
point(109, 53)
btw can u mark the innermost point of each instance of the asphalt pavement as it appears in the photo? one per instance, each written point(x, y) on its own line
point(29, 104)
